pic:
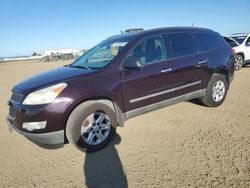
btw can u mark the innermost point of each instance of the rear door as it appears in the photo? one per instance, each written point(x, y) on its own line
point(188, 64)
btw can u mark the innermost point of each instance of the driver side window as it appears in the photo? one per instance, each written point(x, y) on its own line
point(148, 51)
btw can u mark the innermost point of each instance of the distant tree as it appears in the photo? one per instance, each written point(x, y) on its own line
point(34, 54)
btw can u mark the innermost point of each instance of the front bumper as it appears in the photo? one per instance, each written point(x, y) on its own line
point(46, 140)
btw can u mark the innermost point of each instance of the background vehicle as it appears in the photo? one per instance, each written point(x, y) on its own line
point(120, 78)
point(233, 43)
point(242, 50)
point(132, 30)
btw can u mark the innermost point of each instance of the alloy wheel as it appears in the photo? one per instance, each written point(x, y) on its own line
point(219, 90)
point(95, 128)
point(238, 62)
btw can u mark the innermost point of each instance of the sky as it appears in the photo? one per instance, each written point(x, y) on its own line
point(28, 26)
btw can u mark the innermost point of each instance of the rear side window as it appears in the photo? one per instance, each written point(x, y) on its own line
point(207, 41)
point(182, 44)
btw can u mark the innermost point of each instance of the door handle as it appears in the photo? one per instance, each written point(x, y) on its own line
point(202, 62)
point(166, 70)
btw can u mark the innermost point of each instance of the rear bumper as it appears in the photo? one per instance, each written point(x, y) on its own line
point(247, 61)
point(51, 140)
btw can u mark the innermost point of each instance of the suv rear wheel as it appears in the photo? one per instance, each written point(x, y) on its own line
point(216, 91)
point(91, 126)
point(239, 61)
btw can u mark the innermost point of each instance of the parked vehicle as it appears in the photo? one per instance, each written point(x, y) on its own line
point(133, 30)
point(242, 56)
point(49, 58)
point(120, 78)
point(233, 43)
point(65, 56)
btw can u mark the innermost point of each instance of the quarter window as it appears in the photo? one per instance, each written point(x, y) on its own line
point(207, 41)
point(182, 44)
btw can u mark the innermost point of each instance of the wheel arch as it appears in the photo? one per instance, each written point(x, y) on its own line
point(102, 99)
point(242, 54)
point(208, 99)
point(112, 104)
point(224, 71)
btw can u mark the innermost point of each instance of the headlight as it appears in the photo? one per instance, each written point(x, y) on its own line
point(44, 96)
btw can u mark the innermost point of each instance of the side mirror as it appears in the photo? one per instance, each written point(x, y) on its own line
point(133, 63)
point(248, 43)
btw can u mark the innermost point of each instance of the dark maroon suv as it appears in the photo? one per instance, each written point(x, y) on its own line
point(120, 78)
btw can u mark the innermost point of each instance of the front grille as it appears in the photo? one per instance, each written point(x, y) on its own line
point(12, 112)
point(16, 97)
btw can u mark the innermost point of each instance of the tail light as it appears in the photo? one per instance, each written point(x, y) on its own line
point(233, 51)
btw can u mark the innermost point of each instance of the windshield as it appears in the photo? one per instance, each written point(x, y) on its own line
point(231, 42)
point(101, 55)
point(239, 39)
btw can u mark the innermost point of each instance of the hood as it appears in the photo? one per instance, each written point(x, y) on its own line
point(62, 74)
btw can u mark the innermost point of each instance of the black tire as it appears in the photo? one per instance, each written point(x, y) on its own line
point(208, 99)
point(79, 115)
point(239, 62)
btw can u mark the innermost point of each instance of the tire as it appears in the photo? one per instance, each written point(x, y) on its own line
point(239, 62)
point(91, 126)
point(216, 91)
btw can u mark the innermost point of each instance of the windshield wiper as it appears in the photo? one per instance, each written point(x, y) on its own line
point(79, 66)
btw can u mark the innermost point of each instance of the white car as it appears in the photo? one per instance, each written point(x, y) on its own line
point(242, 51)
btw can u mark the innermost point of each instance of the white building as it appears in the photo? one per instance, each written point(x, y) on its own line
point(59, 51)
point(22, 58)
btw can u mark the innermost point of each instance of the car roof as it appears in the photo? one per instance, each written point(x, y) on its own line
point(159, 31)
point(177, 29)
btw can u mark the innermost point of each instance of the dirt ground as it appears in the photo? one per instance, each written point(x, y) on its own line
point(185, 145)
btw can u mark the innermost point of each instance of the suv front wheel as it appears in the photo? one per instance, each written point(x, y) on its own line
point(216, 91)
point(91, 126)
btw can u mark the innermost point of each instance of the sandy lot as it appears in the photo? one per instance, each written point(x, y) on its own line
point(185, 145)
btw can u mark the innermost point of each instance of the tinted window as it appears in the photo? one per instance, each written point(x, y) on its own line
point(148, 51)
point(168, 48)
point(182, 44)
point(207, 41)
